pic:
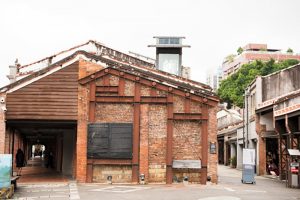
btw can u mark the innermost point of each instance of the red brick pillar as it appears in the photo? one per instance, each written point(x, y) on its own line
point(136, 131)
point(169, 161)
point(144, 139)
point(81, 146)
point(204, 144)
point(212, 170)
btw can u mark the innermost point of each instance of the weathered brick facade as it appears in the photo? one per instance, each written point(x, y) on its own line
point(153, 129)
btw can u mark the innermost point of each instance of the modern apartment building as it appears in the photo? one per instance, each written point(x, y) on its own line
point(252, 52)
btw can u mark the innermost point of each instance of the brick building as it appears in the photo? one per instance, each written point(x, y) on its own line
point(105, 113)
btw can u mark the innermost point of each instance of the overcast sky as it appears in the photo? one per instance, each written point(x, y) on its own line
point(34, 29)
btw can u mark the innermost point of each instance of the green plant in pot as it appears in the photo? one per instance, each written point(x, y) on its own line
point(233, 161)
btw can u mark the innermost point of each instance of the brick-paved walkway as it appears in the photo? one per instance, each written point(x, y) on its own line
point(35, 171)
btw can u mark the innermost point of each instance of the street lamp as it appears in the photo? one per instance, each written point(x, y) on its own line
point(247, 94)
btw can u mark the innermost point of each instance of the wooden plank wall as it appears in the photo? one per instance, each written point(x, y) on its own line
point(53, 97)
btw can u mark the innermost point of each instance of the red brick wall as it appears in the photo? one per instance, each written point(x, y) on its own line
point(129, 88)
point(145, 91)
point(157, 143)
point(81, 147)
point(114, 81)
point(108, 113)
point(144, 142)
point(195, 107)
point(178, 104)
point(186, 140)
point(187, 146)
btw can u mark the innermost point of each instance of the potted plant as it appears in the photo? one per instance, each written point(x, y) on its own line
point(233, 162)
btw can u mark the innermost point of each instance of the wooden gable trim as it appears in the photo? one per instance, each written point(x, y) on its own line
point(159, 86)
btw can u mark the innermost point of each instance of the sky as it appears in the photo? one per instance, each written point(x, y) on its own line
point(33, 29)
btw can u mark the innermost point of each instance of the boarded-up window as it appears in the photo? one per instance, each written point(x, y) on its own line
point(109, 140)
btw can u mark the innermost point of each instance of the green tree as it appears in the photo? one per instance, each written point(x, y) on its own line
point(230, 58)
point(231, 89)
point(240, 50)
point(290, 50)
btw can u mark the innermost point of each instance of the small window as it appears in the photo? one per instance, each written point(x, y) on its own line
point(109, 140)
point(174, 40)
point(163, 40)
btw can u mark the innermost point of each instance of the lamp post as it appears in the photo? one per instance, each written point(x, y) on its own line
point(247, 116)
point(244, 123)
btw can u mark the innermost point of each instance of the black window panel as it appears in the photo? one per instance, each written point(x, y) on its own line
point(110, 140)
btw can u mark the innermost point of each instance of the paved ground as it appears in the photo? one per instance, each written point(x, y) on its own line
point(229, 188)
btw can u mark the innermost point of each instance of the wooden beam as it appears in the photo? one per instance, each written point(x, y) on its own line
point(204, 145)
point(131, 99)
point(110, 161)
point(189, 116)
point(151, 99)
point(107, 89)
point(169, 173)
point(115, 99)
point(121, 86)
point(136, 132)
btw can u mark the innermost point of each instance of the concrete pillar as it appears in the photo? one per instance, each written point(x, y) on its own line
point(239, 157)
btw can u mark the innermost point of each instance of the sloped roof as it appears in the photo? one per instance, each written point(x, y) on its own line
point(116, 59)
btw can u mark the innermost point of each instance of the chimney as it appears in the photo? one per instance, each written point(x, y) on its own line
point(169, 54)
point(13, 70)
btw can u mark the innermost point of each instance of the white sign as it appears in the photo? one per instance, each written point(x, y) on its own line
point(187, 164)
point(248, 156)
point(294, 152)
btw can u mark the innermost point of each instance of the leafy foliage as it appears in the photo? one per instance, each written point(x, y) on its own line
point(289, 50)
point(231, 89)
point(230, 58)
point(240, 50)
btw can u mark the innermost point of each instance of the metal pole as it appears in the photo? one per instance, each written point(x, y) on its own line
point(244, 125)
point(247, 118)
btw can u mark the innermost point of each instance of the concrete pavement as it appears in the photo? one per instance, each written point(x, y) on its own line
point(229, 188)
